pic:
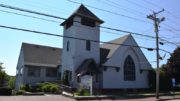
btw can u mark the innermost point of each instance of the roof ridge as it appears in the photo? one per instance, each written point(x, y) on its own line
point(83, 12)
point(113, 48)
point(32, 44)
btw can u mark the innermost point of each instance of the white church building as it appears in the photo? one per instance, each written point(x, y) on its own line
point(111, 66)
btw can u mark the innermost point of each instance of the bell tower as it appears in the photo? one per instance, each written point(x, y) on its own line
point(83, 27)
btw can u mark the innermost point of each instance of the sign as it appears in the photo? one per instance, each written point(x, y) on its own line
point(86, 82)
point(173, 82)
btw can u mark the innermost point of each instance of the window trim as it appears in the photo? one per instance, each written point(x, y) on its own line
point(35, 69)
point(129, 69)
point(49, 69)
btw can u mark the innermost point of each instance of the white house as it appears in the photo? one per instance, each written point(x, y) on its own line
point(111, 66)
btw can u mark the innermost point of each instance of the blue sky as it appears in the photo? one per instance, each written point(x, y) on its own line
point(11, 40)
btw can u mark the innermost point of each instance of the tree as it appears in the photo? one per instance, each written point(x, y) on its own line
point(152, 79)
point(164, 79)
point(11, 82)
point(173, 65)
point(3, 76)
point(1, 68)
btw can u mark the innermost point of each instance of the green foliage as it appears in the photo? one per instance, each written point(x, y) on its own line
point(164, 79)
point(11, 82)
point(5, 91)
point(20, 92)
point(3, 77)
point(152, 79)
point(82, 92)
point(26, 87)
point(22, 87)
point(48, 87)
point(54, 89)
point(173, 65)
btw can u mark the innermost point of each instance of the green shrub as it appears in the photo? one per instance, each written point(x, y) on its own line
point(22, 87)
point(20, 92)
point(54, 89)
point(48, 87)
point(5, 91)
point(26, 87)
point(83, 92)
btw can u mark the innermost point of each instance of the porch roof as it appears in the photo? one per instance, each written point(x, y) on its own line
point(87, 66)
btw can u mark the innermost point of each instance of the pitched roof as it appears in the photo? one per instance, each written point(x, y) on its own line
point(41, 55)
point(82, 11)
point(112, 48)
point(103, 55)
point(88, 65)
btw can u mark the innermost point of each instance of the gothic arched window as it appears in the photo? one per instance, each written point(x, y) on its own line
point(129, 69)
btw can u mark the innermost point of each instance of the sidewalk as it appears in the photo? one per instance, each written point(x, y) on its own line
point(133, 96)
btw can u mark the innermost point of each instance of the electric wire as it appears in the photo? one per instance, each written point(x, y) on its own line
point(45, 33)
point(53, 16)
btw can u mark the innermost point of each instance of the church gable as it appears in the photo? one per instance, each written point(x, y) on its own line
point(118, 53)
point(131, 63)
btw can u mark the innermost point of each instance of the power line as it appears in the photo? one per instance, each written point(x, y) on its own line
point(39, 5)
point(168, 41)
point(113, 4)
point(53, 16)
point(30, 11)
point(59, 22)
point(170, 30)
point(130, 1)
point(110, 1)
point(45, 33)
point(151, 9)
point(28, 16)
point(155, 5)
point(167, 11)
point(115, 13)
point(50, 34)
point(178, 30)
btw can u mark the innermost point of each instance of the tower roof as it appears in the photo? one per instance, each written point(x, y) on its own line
point(82, 11)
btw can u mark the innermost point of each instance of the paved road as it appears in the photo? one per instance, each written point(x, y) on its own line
point(35, 98)
point(62, 98)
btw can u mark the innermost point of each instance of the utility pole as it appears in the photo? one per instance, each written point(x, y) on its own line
point(157, 21)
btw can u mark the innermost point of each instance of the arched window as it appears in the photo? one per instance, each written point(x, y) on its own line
point(129, 69)
point(67, 48)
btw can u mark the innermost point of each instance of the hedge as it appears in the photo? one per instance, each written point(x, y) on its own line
point(5, 91)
